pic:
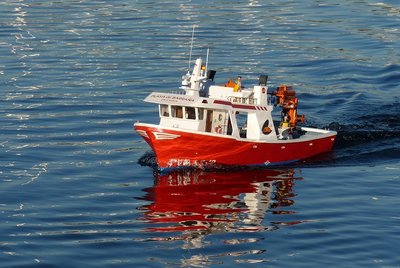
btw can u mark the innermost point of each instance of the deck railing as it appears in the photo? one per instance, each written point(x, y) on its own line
point(242, 100)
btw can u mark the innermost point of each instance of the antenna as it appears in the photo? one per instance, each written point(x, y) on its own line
point(208, 52)
point(191, 48)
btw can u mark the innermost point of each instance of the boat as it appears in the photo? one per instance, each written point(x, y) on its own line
point(218, 125)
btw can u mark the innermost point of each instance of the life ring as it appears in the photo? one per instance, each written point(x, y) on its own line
point(218, 129)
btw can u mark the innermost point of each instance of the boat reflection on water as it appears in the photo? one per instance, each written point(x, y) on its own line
point(196, 203)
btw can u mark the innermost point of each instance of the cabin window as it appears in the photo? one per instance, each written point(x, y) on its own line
point(241, 119)
point(201, 113)
point(164, 110)
point(177, 111)
point(190, 113)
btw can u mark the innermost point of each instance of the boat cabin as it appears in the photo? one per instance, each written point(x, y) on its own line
point(229, 109)
point(229, 114)
point(222, 120)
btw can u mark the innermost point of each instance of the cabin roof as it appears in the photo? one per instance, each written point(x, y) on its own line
point(170, 98)
point(194, 101)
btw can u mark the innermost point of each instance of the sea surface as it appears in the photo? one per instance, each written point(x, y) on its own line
point(78, 187)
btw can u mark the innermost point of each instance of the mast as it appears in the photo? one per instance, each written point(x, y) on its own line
point(191, 48)
point(208, 52)
point(186, 78)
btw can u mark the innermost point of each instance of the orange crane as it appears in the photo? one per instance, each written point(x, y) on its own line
point(286, 98)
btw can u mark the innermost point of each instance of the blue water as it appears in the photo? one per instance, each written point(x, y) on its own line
point(76, 188)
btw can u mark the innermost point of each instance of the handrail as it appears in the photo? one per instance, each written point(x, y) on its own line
point(243, 100)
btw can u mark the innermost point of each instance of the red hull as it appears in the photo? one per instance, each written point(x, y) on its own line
point(176, 148)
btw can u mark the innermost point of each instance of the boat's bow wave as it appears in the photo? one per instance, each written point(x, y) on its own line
point(148, 159)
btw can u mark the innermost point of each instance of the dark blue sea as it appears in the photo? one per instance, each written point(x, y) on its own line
point(78, 187)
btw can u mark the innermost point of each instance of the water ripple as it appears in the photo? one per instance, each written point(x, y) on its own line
point(74, 74)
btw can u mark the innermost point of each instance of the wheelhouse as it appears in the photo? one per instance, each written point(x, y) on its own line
point(245, 122)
